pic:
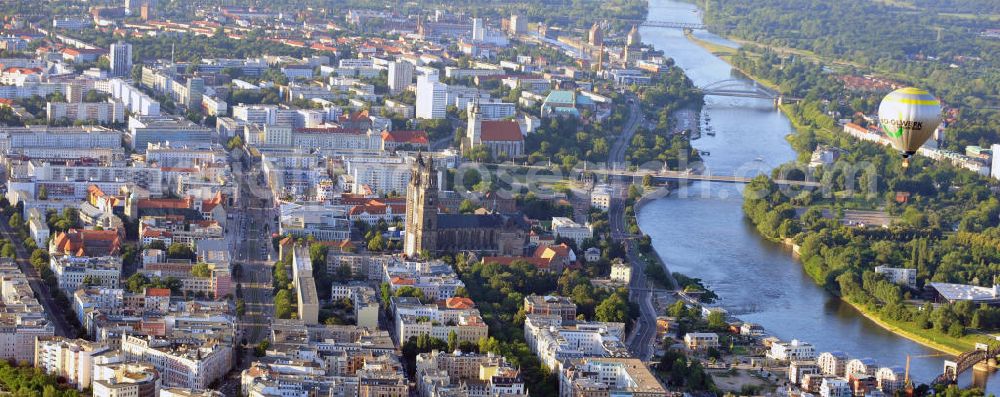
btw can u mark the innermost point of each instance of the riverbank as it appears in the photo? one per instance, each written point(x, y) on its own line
point(726, 54)
point(948, 345)
point(929, 338)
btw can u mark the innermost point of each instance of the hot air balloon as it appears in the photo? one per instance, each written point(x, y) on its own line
point(908, 117)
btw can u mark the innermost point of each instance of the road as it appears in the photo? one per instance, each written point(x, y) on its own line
point(640, 342)
point(40, 288)
point(250, 239)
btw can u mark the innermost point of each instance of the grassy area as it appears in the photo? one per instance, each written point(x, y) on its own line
point(898, 3)
point(992, 17)
point(719, 50)
point(928, 337)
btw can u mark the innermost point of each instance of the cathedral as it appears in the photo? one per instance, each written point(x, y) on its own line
point(429, 230)
point(633, 47)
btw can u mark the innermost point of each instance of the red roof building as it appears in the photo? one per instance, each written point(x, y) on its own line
point(554, 258)
point(83, 242)
point(502, 137)
point(458, 302)
point(415, 140)
point(502, 130)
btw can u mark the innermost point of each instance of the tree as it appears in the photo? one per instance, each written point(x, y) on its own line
point(634, 192)
point(201, 270)
point(452, 341)
point(376, 243)
point(234, 142)
point(43, 192)
point(409, 291)
point(240, 307)
point(678, 371)
point(136, 282)
point(716, 320)
point(157, 244)
point(467, 207)
point(180, 251)
point(39, 258)
point(283, 304)
point(261, 349)
point(15, 221)
point(8, 250)
point(343, 273)
point(678, 310)
point(90, 281)
point(613, 309)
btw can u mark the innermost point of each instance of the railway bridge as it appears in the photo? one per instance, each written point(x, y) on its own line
point(969, 359)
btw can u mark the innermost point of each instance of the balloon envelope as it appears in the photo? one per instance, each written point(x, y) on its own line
point(908, 117)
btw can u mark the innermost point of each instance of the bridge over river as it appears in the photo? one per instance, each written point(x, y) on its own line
point(982, 354)
point(667, 175)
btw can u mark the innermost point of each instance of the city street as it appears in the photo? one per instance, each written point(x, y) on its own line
point(250, 240)
point(41, 289)
point(641, 339)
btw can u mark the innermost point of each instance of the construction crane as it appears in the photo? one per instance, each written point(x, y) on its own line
point(908, 384)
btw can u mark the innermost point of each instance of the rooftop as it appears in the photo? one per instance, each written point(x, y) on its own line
point(966, 292)
point(501, 130)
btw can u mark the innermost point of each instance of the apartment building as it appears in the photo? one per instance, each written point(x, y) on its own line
point(17, 139)
point(832, 363)
point(566, 228)
point(432, 98)
point(794, 350)
point(438, 320)
point(71, 359)
point(603, 376)
point(600, 197)
point(551, 305)
point(133, 98)
point(463, 374)
point(143, 130)
point(554, 342)
point(305, 286)
point(112, 111)
point(126, 380)
point(87, 172)
point(700, 341)
point(23, 318)
point(901, 276)
point(72, 271)
point(190, 364)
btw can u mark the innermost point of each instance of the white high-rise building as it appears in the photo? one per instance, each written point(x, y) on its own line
point(121, 59)
point(995, 166)
point(432, 98)
point(518, 24)
point(400, 75)
point(478, 30)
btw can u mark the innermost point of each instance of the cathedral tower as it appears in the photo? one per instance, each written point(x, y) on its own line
point(421, 208)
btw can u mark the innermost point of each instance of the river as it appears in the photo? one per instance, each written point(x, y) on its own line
point(700, 231)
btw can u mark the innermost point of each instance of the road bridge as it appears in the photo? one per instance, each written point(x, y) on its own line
point(682, 176)
point(667, 175)
point(738, 88)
